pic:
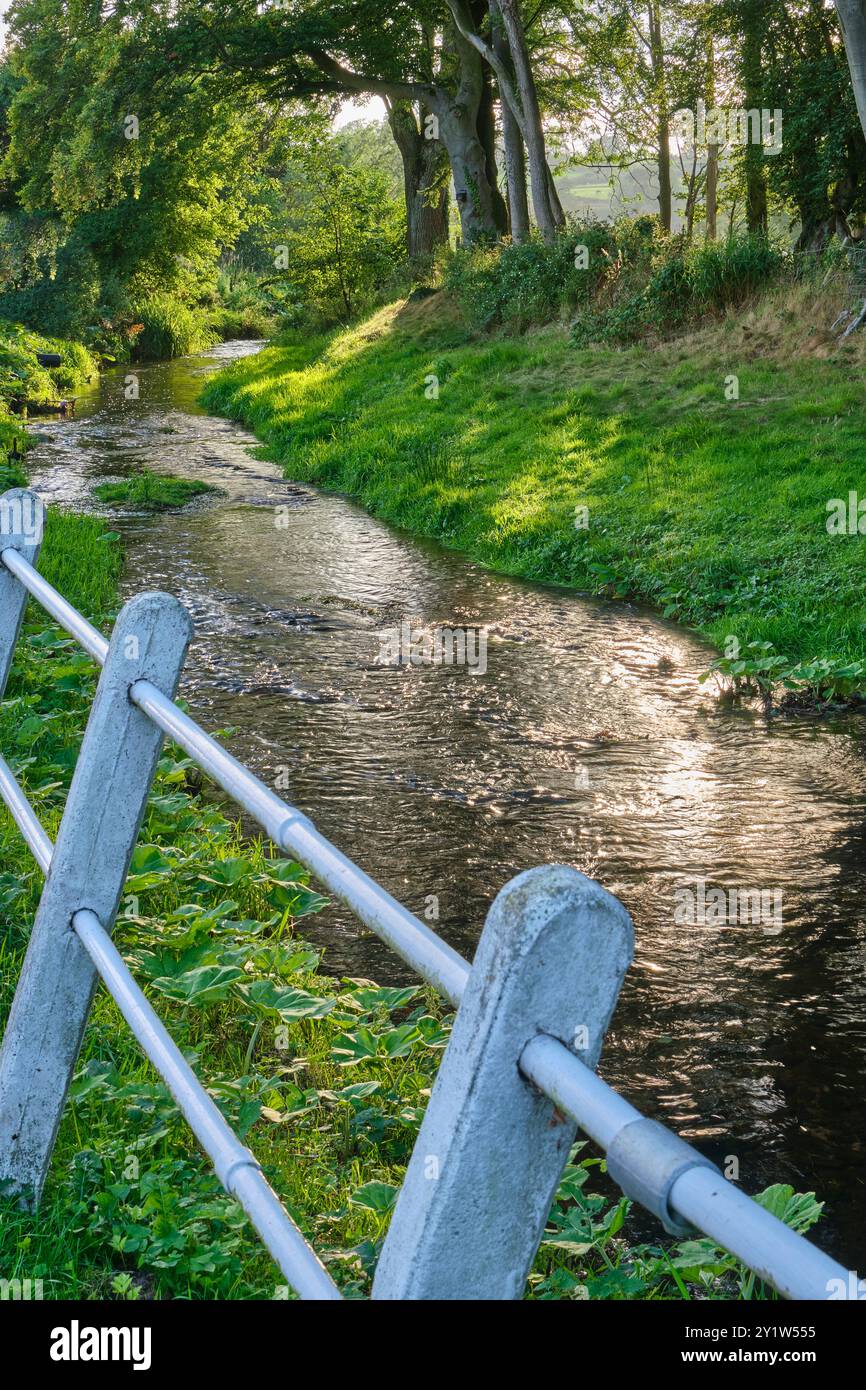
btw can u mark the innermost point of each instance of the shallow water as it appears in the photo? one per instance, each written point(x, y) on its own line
point(589, 740)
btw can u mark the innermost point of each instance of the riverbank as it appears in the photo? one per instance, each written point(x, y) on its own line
point(326, 1079)
point(699, 476)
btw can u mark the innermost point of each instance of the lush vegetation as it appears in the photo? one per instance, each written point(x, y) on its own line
point(24, 379)
point(617, 282)
point(151, 491)
point(710, 504)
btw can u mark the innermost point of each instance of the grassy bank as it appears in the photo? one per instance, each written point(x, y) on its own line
point(326, 1079)
point(695, 475)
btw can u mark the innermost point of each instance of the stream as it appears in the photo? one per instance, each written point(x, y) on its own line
point(588, 740)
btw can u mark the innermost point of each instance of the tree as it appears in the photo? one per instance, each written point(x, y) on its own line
point(345, 233)
point(852, 18)
point(425, 178)
point(307, 48)
point(128, 189)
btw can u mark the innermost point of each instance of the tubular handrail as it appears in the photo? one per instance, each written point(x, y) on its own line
point(699, 1196)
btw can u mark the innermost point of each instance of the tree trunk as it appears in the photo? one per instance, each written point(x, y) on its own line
point(753, 160)
point(425, 181)
point(852, 18)
point(548, 210)
point(457, 112)
point(487, 136)
point(663, 133)
point(711, 192)
point(515, 159)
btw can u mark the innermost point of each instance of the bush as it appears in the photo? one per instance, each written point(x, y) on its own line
point(22, 377)
point(625, 279)
point(686, 285)
point(249, 322)
point(514, 286)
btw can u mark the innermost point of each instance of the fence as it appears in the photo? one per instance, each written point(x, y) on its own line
point(516, 1080)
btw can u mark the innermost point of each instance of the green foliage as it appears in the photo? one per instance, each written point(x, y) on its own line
point(124, 182)
point(22, 377)
point(625, 280)
point(344, 246)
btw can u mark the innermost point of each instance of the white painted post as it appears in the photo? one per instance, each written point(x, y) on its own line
point(21, 519)
point(484, 1171)
point(88, 869)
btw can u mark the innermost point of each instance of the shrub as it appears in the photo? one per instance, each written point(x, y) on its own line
point(685, 285)
point(22, 376)
point(625, 279)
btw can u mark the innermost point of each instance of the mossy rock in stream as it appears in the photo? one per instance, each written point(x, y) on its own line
point(154, 491)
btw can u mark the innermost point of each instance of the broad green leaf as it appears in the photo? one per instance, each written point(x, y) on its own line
point(375, 1196)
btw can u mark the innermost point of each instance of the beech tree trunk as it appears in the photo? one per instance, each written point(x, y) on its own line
point(663, 132)
point(515, 156)
point(753, 158)
point(545, 202)
point(487, 136)
point(425, 181)
point(852, 18)
point(711, 191)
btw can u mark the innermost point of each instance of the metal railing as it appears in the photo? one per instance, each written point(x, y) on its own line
point(511, 1089)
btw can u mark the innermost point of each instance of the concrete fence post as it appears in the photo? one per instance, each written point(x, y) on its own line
point(21, 523)
point(94, 845)
point(490, 1152)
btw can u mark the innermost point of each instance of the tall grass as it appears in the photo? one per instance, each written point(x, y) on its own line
point(170, 328)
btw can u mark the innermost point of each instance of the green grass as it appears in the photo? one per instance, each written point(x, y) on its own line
point(325, 1079)
point(714, 510)
point(153, 491)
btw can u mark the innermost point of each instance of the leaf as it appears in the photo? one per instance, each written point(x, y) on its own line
point(359, 1046)
point(390, 999)
point(209, 984)
point(799, 1210)
point(375, 1196)
point(289, 1004)
point(296, 899)
point(431, 1032)
point(226, 872)
point(398, 1041)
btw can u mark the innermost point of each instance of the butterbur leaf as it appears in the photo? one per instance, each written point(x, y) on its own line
point(289, 1004)
point(398, 1041)
point(207, 985)
point(799, 1210)
point(697, 1257)
point(296, 899)
point(375, 1196)
point(226, 872)
point(390, 999)
point(357, 1046)
point(431, 1032)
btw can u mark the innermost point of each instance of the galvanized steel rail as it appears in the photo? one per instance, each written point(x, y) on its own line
point(548, 968)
